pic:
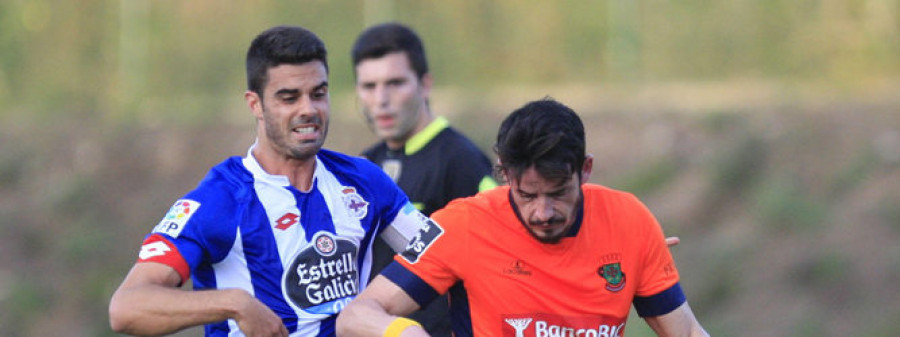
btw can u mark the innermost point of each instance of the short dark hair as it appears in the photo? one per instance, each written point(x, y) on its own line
point(385, 38)
point(281, 45)
point(545, 134)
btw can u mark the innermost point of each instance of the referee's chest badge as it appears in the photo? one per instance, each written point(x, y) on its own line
point(615, 278)
point(393, 168)
point(356, 205)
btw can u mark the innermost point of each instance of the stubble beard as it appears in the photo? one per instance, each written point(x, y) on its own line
point(279, 136)
point(552, 239)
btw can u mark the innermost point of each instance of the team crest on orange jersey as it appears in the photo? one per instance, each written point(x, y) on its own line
point(615, 278)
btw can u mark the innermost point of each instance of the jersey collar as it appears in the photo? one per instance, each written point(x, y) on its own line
point(259, 174)
point(422, 138)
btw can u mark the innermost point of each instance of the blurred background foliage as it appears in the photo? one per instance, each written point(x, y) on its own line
point(765, 133)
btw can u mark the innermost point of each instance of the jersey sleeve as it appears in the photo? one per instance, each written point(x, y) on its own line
point(436, 254)
point(399, 218)
point(659, 272)
point(658, 291)
point(406, 225)
point(197, 229)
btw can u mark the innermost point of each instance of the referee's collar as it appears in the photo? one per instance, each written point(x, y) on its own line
point(419, 140)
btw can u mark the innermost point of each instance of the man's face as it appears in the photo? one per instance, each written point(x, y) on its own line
point(295, 109)
point(547, 207)
point(393, 97)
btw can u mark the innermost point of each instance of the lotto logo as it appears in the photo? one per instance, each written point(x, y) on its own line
point(287, 220)
point(153, 249)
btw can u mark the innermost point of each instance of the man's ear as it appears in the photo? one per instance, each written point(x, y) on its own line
point(427, 82)
point(586, 168)
point(502, 172)
point(254, 102)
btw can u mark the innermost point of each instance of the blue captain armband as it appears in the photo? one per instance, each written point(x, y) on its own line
point(660, 304)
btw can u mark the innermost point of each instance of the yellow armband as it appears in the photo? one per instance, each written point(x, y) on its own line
point(398, 325)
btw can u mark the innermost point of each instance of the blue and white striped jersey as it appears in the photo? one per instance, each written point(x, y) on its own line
point(304, 254)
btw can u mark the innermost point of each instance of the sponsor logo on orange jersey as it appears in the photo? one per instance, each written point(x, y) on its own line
point(517, 268)
point(551, 325)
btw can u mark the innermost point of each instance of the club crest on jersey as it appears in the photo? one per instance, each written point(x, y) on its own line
point(173, 222)
point(615, 278)
point(356, 205)
point(325, 244)
point(393, 168)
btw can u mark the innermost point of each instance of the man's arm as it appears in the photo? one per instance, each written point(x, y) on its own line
point(678, 322)
point(148, 302)
point(375, 308)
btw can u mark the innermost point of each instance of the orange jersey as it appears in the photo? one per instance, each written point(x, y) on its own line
point(516, 286)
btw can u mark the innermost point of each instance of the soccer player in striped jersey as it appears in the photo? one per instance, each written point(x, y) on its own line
point(277, 242)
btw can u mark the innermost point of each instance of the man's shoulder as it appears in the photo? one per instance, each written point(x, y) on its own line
point(355, 171)
point(228, 176)
point(375, 151)
point(454, 137)
point(488, 201)
point(343, 162)
point(225, 184)
point(450, 144)
point(595, 191)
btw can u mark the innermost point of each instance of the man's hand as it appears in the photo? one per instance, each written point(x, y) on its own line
point(256, 319)
point(672, 241)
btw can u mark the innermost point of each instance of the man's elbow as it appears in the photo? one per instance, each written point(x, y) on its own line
point(120, 320)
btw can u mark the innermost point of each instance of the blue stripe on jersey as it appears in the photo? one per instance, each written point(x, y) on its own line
point(311, 217)
point(327, 327)
point(264, 264)
point(660, 304)
point(414, 286)
point(460, 313)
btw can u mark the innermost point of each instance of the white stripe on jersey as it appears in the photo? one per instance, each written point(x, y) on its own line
point(232, 272)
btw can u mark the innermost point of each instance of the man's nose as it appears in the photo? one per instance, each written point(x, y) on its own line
point(544, 209)
point(382, 96)
point(306, 106)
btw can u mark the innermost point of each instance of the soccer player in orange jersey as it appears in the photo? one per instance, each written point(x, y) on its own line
point(547, 255)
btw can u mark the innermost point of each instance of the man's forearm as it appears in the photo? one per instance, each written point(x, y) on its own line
point(365, 317)
point(159, 310)
point(680, 322)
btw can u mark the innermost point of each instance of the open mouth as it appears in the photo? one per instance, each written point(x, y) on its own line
point(305, 130)
point(306, 133)
point(384, 121)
